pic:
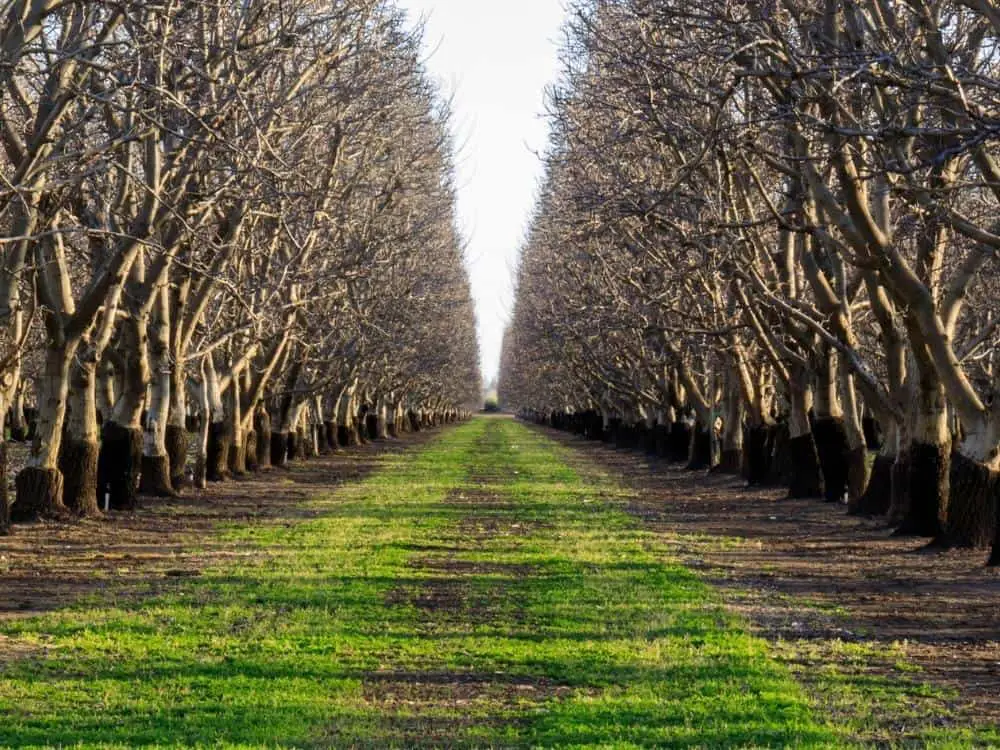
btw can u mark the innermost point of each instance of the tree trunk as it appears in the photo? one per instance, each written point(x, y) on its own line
point(279, 449)
point(834, 457)
point(220, 429)
point(970, 519)
point(757, 446)
point(78, 454)
point(829, 431)
point(39, 486)
point(78, 465)
point(330, 435)
point(930, 461)
point(120, 459)
point(201, 456)
point(155, 458)
point(4, 502)
point(780, 470)
point(118, 465)
point(347, 433)
point(262, 429)
point(382, 419)
point(877, 497)
point(857, 456)
point(700, 451)
point(731, 461)
point(176, 435)
point(220, 442)
point(105, 390)
point(177, 452)
point(680, 441)
point(237, 459)
point(806, 472)
point(18, 424)
point(250, 452)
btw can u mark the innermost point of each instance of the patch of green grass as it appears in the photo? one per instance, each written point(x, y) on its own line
point(477, 593)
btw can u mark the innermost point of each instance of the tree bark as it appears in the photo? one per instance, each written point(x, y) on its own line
point(156, 471)
point(220, 429)
point(39, 491)
point(262, 430)
point(78, 454)
point(120, 459)
point(806, 478)
point(930, 459)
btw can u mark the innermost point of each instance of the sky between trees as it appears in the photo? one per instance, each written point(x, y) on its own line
point(496, 59)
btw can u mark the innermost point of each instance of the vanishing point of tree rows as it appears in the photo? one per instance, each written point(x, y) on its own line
point(767, 242)
point(227, 227)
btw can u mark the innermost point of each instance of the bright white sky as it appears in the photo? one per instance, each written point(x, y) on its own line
point(495, 57)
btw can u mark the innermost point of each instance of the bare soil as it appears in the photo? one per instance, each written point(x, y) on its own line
point(808, 577)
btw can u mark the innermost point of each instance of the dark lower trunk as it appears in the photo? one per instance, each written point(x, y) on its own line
point(680, 441)
point(873, 435)
point(4, 502)
point(371, 422)
point(756, 455)
point(31, 424)
point(344, 436)
point(857, 473)
point(649, 440)
point(39, 495)
point(177, 452)
point(303, 445)
point(662, 439)
point(330, 435)
point(700, 450)
point(834, 457)
point(779, 448)
point(971, 513)
point(250, 452)
point(730, 461)
point(292, 446)
point(806, 474)
point(78, 464)
point(414, 421)
point(279, 449)
point(118, 466)
point(262, 431)
point(928, 490)
point(899, 498)
point(156, 477)
point(238, 458)
point(877, 496)
point(220, 442)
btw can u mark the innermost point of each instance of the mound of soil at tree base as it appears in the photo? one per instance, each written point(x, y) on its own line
point(809, 577)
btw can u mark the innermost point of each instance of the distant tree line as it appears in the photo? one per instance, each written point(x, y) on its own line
point(767, 243)
point(231, 219)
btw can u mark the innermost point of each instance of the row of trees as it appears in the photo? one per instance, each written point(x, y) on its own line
point(773, 227)
point(232, 218)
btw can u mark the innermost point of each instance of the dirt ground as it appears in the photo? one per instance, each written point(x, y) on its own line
point(806, 575)
point(48, 565)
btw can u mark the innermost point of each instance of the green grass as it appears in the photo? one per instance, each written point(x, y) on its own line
point(477, 593)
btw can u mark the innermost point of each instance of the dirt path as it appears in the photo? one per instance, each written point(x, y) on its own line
point(810, 578)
